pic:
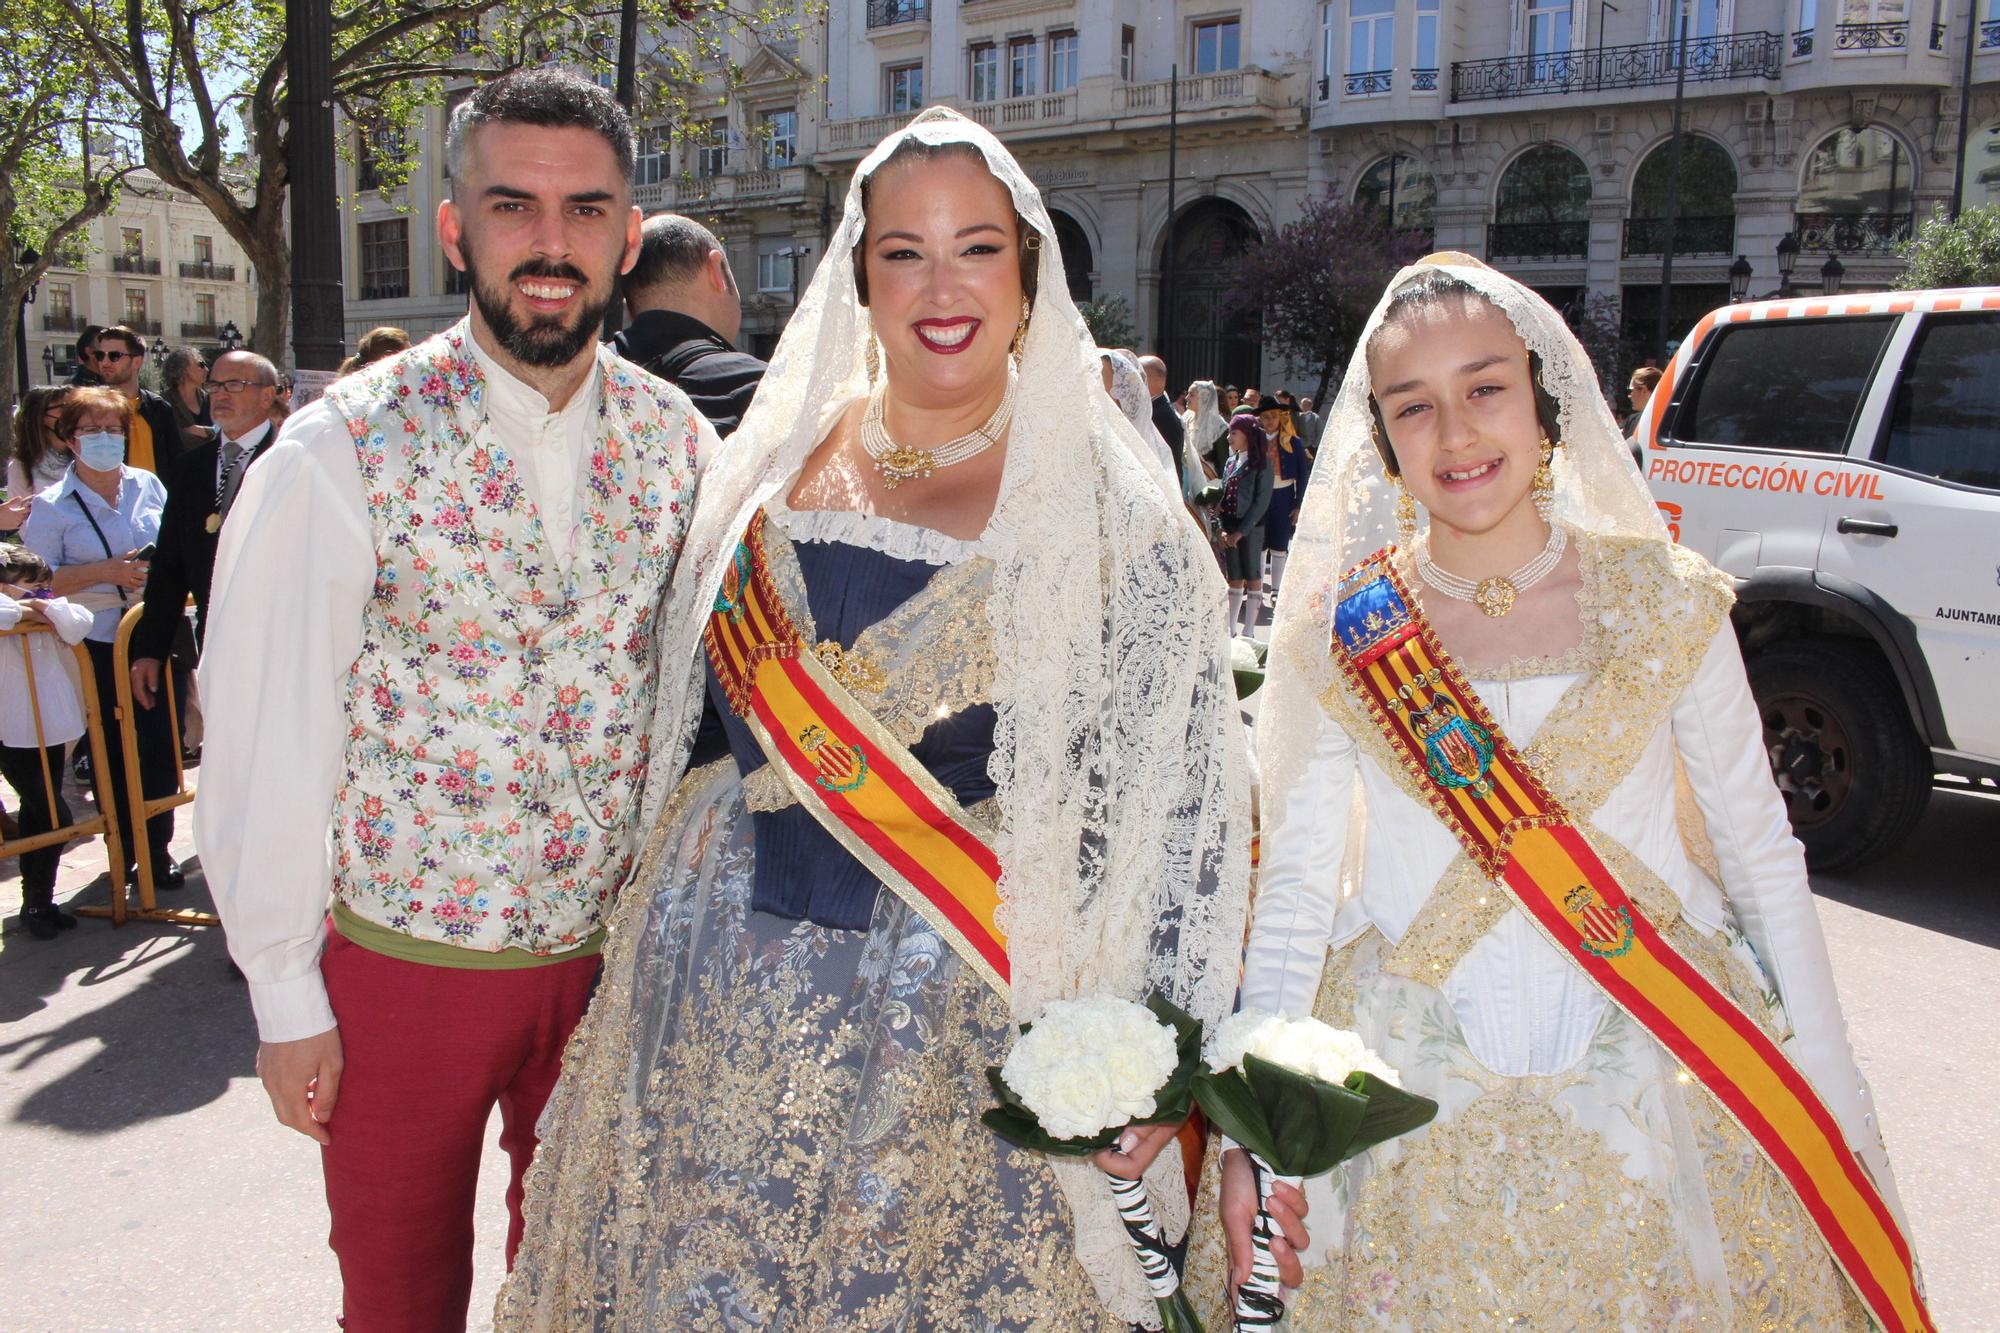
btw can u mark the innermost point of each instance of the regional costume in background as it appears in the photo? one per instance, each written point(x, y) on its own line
point(770, 1117)
point(1578, 1175)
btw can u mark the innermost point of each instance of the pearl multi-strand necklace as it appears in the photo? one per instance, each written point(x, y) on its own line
point(1495, 596)
point(899, 463)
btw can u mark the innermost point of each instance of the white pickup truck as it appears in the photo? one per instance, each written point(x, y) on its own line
point(1840, 457)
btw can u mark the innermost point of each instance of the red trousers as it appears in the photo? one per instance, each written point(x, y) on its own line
point(428, 1053)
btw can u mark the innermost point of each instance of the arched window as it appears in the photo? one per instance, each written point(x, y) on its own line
point(1855, 194)
point(1208, 337)
point(1077, 260)
point(1401, 188)
point(1542, 210)
point(1705, 215)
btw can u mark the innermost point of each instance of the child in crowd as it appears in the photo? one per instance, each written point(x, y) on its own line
point(29, 762)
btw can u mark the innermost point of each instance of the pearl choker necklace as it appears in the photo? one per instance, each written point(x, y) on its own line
point(899, 463)
point(1495, 596)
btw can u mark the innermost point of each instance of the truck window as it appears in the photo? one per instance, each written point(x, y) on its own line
point(1946, 419)
point(1783, 384)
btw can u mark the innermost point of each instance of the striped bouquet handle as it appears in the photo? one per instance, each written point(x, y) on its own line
point(1135, 1210)
point(1260, 1301)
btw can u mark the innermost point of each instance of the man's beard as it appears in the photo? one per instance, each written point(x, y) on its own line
point(544, 341)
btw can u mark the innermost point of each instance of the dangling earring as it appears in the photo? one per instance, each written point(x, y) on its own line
point(1406, 516)
point(1020, 332)
point(1545, 482)
point(871, 356)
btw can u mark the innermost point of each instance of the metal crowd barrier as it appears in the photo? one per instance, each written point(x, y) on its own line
point(143, 809)
point(23, 636)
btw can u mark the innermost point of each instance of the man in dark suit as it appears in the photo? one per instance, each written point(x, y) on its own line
point(241, 388)
point(1165, 419)
point(685, 313)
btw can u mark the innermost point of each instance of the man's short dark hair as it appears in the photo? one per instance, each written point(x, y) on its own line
point(672, 251)
point(551, 98)
point(130, 337)
point(88, 338)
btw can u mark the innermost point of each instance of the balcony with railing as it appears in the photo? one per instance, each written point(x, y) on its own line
point(388, 290)
point(208, 270)
point(1743, 55)
point(1017, 113)
point(1370, 83)
point(1537, 240)
point(149, 327)
point(887, 13)
point(134, 264)
point(1692, 236)
point(201, 328)
point(1253, 90)
point(1423, 80)
point(70, 323)
point(771, 185)
point(1871, 36)
point(1989, 35)
point(1871, 233)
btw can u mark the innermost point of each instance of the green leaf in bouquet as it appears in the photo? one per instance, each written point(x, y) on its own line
point(1311, 1121)
point(1390, 1112)
point(1233, 1109)
point(1018, 1126)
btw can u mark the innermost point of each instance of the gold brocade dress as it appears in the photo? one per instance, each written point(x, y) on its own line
point(1600, 1188)
point(771, 1123)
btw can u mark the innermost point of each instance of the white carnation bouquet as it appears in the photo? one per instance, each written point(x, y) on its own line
point(1077, 1078)
point(1301, 1097)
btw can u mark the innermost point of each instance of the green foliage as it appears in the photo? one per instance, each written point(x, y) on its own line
point(203, 75)
point(1301, 1126)
point(52, 183)
point(1109, 319)
point(1316, 279)
point(1965, 253)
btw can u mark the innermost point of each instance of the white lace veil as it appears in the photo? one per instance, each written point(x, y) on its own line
point(1349, 509)
point(1121, 781)
point(1128, 390)
point(1204, 421)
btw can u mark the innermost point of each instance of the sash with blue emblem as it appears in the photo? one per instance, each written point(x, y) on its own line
point(1520, 835)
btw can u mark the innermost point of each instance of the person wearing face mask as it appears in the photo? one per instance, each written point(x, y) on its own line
point(97, 528)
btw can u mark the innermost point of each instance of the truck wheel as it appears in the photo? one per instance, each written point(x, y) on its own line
point(1854, 773)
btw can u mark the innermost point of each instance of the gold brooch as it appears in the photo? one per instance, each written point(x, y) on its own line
point(850, 669)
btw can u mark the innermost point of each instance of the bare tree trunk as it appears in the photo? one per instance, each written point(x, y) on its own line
point(272, 259)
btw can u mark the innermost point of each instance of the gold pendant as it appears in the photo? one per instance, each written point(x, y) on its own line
point(902, 464)
point(1494, 596)
point(214, 524)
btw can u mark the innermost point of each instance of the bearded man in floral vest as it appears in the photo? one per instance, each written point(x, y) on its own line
point(432, 659)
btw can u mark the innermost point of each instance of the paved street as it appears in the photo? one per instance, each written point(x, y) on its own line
point(147, 1187)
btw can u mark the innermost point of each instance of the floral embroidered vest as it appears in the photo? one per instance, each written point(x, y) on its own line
point(498, 717)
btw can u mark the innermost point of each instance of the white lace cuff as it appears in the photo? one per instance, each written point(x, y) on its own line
point(903, 541)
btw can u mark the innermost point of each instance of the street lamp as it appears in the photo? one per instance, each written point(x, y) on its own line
point(795, 253)
point(231, 337)
point(1739, 278)
point(1830, 274)
point(26, 258)
point(1788, 258)
point(159, 353)
point(49, 362)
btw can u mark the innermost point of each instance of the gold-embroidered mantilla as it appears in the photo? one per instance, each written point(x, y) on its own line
point(1616, 1194)
point(1438, 731)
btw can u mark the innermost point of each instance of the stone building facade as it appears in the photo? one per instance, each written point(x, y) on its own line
point(158, 262)
point(1535, 133)
point(1531, 133)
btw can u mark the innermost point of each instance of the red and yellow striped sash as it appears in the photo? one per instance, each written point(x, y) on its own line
point(861, 784)
point(1520, 835)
